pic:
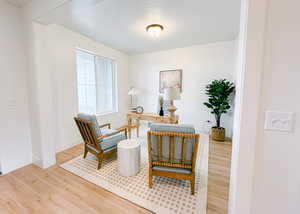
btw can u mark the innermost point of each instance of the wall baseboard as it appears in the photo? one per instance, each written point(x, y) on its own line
point(37, 161)
point(68, 146)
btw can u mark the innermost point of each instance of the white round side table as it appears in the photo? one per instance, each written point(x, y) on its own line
point(129, 157)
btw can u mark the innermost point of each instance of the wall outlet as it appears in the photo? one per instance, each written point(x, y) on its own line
point(279, 121)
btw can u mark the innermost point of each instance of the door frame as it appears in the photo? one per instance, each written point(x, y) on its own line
point(249, 75)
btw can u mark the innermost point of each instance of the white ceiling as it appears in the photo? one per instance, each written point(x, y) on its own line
point(121, 23)
point(18, 3)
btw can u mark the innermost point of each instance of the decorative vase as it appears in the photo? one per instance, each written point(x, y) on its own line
point(161, 111)
point(218, 133)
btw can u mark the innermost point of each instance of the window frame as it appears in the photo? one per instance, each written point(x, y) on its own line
point(115, 108)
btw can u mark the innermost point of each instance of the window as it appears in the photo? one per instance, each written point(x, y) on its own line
point(96, 85)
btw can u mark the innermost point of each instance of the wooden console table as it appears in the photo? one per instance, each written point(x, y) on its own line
point(149, 117)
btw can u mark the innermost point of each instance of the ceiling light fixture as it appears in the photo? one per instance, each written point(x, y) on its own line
point(154, 30)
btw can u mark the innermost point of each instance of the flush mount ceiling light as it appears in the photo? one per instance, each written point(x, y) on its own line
point(154, 30)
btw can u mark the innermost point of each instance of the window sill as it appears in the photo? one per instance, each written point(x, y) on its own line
point(106, 113)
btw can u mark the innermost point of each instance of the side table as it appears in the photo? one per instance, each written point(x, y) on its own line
point(129, 156)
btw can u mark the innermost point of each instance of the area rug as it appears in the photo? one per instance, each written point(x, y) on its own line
point(167, 196)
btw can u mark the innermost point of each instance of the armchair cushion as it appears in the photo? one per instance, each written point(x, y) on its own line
point(94, 121)
point(111, 141)
point(172, 169)
point(107, 131)
point(96, 150)
point(162, 127)
point(92, 148)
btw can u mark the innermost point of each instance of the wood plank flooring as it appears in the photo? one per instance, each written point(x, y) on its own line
point(219, 161)
point(54, 190)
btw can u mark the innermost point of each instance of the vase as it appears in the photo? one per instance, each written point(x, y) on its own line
point(161, 111)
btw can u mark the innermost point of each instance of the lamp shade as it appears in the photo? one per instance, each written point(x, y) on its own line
point(172, 93)
point(133, 91)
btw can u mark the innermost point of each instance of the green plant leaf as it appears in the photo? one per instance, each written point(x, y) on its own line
point(218, 92)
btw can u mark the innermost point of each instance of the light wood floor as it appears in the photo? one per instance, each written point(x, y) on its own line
point(54, 190)
point(219, 161)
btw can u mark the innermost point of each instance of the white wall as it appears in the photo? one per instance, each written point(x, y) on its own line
point(200, 65)
point(276, 187)
point(15, 145)
point(58, 63)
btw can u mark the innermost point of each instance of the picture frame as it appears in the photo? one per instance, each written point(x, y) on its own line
point(170, 78)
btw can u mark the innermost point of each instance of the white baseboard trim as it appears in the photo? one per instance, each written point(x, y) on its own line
point(37, 161)
point(68, 146)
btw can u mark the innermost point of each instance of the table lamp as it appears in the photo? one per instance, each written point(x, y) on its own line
point(172, 94)
point(132, 92)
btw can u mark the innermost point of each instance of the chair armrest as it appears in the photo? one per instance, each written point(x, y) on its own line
point(123, 129)
point(114, 133)
point(106, 124)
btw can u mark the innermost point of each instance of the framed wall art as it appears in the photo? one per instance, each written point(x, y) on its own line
point(170, 78)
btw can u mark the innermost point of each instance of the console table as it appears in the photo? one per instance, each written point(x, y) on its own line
point(149, 117)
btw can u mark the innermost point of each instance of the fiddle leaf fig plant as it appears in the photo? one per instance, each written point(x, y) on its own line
point(219, 92)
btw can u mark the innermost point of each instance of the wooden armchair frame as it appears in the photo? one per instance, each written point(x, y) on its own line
point(89, 137)
point(183, 164)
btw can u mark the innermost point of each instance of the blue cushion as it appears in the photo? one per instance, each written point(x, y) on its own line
point(172, 169)
point(92, 148)
point(96, 150)
point(94, 121)
point(112, 141)
point(109, 149)
point(106, 131)
point(163, 127)
point(166, 127)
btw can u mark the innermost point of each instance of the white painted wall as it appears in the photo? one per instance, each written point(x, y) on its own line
point(276, 186)
point(200, 65)
point(267, 176)
point(15, 144)
point(41, 78)
point(58, 61)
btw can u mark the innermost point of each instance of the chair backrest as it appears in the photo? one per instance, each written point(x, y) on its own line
point(93, 119)
point(172, 145)
point(87, 132)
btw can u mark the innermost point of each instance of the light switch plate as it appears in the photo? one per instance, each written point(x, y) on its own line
point(279, 121)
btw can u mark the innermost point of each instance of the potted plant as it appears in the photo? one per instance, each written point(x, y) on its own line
point(219, 92)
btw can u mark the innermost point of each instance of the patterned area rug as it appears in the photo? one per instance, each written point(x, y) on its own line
point(167, 196)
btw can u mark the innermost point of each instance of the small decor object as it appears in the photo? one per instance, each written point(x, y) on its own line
point(132, 93)
point(170, 79)
point(138, 110)
point(172, 94)
point(161, 104)
point(219, 92)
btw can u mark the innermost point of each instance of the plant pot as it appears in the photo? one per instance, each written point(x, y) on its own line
point(218, 133)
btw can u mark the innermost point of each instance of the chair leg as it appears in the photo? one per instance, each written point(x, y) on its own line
point(138, 130)
point(193, 186)
point(100, 159)
point(150, 179)
point(85, 152)
point(126, 132)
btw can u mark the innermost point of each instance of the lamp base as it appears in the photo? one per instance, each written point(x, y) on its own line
point(172, 110)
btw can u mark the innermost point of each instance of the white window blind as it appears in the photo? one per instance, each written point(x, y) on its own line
point(96, 87)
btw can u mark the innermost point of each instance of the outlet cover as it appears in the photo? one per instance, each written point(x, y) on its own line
point(279, 121)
